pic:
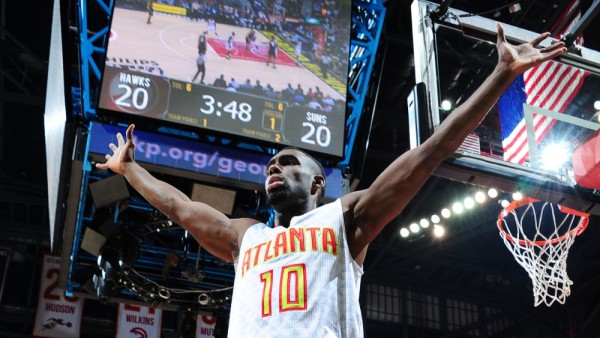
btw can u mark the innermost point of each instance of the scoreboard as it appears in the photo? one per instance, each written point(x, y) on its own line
point(217, 109)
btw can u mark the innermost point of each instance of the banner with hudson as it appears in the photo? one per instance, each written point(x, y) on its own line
point(57, 315)
point(138, 321)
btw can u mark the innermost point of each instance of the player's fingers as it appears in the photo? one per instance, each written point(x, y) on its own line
point(501, 37)
point(101, 166)
point(553, 47)
point(536, 41)
point(120, 140)
point(553, 54)
point(113, 147)
point(130, 132)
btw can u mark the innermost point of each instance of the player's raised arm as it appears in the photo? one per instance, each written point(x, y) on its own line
point(368, 211)
point(217, 233)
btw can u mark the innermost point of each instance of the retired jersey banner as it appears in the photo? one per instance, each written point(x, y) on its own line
point(57, 315)
point(138, 321)
point(205, 326)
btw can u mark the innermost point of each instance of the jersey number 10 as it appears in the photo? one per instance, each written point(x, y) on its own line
point(292, 289)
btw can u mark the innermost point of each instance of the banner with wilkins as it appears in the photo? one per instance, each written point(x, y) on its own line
point(138, 321)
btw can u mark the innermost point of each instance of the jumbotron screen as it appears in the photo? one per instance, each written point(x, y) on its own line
point(273, 71)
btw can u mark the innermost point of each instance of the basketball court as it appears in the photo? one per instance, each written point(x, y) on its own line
point(168, 47)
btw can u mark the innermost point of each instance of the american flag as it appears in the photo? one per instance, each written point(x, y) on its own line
point(471, 144)
point(551, 86)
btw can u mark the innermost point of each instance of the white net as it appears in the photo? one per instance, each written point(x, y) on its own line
point(539, 235)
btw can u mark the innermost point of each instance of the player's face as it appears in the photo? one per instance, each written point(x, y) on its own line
point(289, 179)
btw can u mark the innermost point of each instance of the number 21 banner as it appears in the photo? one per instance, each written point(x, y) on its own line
point(138, 321)
point(57, 315)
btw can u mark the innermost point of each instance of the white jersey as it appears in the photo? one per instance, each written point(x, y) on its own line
point(211, 26)
point(299, 281)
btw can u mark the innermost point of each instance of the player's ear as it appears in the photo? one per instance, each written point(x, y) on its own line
point(318, 182)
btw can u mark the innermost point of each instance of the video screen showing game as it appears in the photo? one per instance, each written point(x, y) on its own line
point(273, 71)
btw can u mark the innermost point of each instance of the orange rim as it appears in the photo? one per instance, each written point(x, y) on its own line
point(583, 223)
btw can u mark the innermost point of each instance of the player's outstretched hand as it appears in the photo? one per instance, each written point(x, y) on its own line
point(123, 152)
point(522, 57)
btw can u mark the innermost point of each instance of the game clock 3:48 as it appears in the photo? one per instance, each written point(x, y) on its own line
point(221, 110)
point(257, 118)
point(241, 110)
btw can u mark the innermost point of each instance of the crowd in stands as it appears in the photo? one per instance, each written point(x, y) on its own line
point(327, 34)
point(329, 37)
point(294, 95)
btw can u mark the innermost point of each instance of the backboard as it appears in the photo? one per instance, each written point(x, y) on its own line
point(538, 122)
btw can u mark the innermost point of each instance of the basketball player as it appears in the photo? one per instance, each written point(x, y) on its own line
point(229, 45)
point(251, 41)
point(273, 50)
point(301, 278)
point(150, 10)
point(211, 26)
point(202, 43)
point(298, 49)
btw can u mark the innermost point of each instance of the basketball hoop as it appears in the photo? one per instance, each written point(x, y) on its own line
point(542, 246)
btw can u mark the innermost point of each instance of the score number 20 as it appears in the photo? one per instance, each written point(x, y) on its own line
point(320, 135)
point(137, 97)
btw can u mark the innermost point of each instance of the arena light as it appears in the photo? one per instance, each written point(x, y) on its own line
point(404, 232)
point(517, 196)
point(424, 223)
point(555, 155)
point(415, 228)
point(446, 105)
point(458, 208)
point(438, 230)
point(479, 197)
point(492, 193)
point(504, 203)
point(203, 299)
point(469, 203)
point(446, 213)
point(435, 219)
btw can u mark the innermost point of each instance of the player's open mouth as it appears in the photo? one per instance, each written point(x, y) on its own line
point(274, 182)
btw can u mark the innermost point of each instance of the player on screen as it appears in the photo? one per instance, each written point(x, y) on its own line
point(201, 68)
point(325, 62)
point(273, 50)
point(251, 41)
point(202, 43)
point(150, 10)
point(298, 49)
point(211, 26)
point(301, 278)
point(230, 45)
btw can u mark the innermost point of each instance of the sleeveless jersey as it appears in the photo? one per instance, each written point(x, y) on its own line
point(299, 281)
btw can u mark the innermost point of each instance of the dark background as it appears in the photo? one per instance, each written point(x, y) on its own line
point(470, 264)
